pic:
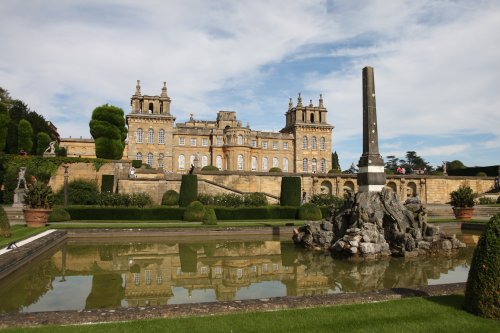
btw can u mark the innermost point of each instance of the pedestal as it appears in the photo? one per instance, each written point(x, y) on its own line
point(19, 194)
point(49, 154)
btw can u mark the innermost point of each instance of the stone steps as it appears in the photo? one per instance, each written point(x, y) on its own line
point(15, 215)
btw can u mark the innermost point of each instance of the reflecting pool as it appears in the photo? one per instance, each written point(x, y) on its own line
point(156, 271)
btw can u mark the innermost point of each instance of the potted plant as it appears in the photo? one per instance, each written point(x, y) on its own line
point(463, 203)
point(39, 200)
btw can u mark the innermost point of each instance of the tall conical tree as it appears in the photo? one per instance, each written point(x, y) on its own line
point(25, 136)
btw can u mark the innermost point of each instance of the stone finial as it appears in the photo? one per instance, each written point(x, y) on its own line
point(290, 104)
point(311, 103)
point(299, 101)
point(191, 116)
point(164, 90)
point(138, 88)
point(248, 124)
point(321, 100)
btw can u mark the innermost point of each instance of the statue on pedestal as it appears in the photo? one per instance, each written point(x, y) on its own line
point(51, 150)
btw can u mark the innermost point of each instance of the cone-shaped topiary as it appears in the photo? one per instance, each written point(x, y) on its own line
point(59, 215)
point(290, 191)
point(210, 217)
point(189, 190)
point(4, 224)
point(170, 198)
point(195, 212)
point(310, 211)
point(482, 294)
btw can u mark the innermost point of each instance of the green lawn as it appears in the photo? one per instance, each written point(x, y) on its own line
point(20, 232)
point(433, 314)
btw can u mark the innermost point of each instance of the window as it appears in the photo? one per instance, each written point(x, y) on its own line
point(265, 268)
point(159, 278)
point(254, 163)
point(322, 143)
point(182, 141)
point(314, 143)
point(304, 165)
point(275, 144)
point(193, 141)
point(182, 162)
point(148, 276)
point(138, 156)
point(311, 116)
point(219, 141)
point(264, 164)
point(218, 270)
point(218, 162)
point(285, 145)
point(323, 165)
point(204, 270)
point(239, 273)
point(139, 135)
point(161, 137)
point(204, 161)
point(304, 143)
point(314, 165)
point(137, 278)
point(254, 269)
point(150, 159)
point(285, 164)
point(240, 162)
point(275, 162)
point(254, 143)
point(264, 144)
point(240, 139)
point(204, 142)
point(151, 135)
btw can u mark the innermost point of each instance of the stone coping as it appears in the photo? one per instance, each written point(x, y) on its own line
point(219, 308)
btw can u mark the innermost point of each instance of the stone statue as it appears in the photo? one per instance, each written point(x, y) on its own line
point(445, 171)
point(51, 150)
point(21, 178)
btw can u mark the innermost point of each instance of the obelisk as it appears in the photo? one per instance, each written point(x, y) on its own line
point(371, 176)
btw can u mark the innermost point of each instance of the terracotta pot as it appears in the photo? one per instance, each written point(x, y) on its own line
point(462, 213)
point(36, 217)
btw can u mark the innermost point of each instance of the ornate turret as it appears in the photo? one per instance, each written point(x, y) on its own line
point(164, 90)
point(299, 101)
point(320, 101)
point(138, 88)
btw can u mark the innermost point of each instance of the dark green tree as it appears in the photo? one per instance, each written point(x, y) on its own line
point(391, 163)
point(455, 164)
point(25, 135)
point(413, 161)
point(12, 138)
point(107, 127)
point(42, 142)
point(4, 126)
point(189, 190)
point(335, 161)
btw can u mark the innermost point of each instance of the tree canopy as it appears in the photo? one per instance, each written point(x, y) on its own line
point(107, 127)
point(412, 162)
point(25, 135)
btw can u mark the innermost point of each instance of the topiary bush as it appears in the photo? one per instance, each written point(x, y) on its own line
point(195, 212)
point(326, 200)
point(189, 190)
point(210, 168)
point(80, 192)
point(483, 283)
point(59, 215)
point(275, 169)
point(170, 198)
point(290, 191)
point(210, 218)
point(4, 224)
point(310, 211)
point(137, 164)
point(255, 199)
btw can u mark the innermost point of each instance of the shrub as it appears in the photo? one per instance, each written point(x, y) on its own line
point(210, 218)
point(137, 164)
point(486, 201)
point(109, 199)
point(80, 192)
point(59, 215)
point(481, 174)
point(195, 212)
point(125, 213)
point(189, 190)
point(326, 200)
point(228, 200)
point(206, 199)
point(255, 199)
point(290, 191)
point(256, 213)
point(210, 168)
point(4, 224)
point(140, 200)
point(483, 283)
point(309, 211)
point(275, 169)
point(462, 197)
point(39, 195)
point(170, 198)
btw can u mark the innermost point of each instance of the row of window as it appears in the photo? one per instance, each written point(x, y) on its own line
point(314, 165)
point(314, 143)
point(151, 136)
point(149, 159)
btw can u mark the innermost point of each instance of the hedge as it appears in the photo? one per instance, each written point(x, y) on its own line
point(256, 213)
point(189, 190)
point(290, 191)
point(127, 213)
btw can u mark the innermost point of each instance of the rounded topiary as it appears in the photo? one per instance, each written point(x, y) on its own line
point(210, 218)
point(137, 164)
point(310, 211)
point(275, 169)
point(189, 190)
point(170, 198)
point(290, 191)
point(4, 224)
point(483, 283)
point(210, 168)
point(195, 212)
point(59, 215)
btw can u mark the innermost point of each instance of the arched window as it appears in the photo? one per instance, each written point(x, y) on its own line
point(323, 165)
point(240, 139)
point(304, 165)
point(254, 163)
point(314, 143)
point(138, 156)
point(204, 161)
point(161, 137)
point(151, 135)
point(304, 143)
point(275, 162)
point(314, 165)
point(322, 143)
point(150, 159)
point(182, 162)
point(218, 162)
point(285, 164)
point(151, 108)
point(139, 135)
point(264, 164)
point(240, 162)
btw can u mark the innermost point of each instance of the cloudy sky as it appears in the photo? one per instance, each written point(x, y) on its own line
point(437, 65)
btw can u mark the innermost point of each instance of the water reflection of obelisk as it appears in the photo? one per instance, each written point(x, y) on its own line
point(371, 176)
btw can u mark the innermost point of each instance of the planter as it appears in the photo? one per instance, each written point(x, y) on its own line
point(36, 217)
point(463, 213)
